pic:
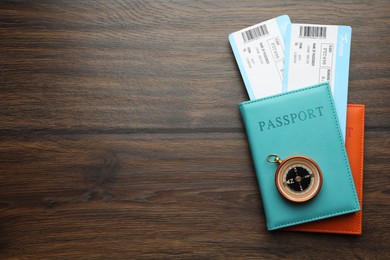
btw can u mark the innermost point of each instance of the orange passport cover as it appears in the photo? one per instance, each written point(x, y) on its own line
point(354, 142)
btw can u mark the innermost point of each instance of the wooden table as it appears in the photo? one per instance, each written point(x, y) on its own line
point(120, 135)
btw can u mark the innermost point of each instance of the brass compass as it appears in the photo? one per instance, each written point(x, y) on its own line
point(297, 178)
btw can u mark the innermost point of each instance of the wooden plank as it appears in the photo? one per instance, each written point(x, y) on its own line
point(131, 66)
point(160, 195)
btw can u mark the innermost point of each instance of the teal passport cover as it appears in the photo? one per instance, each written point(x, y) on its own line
point(301, 122)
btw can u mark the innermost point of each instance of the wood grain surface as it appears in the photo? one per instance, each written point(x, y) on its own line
point(120, 136)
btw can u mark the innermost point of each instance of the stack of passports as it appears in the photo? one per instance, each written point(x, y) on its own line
point(278, 61)
point(304, 122)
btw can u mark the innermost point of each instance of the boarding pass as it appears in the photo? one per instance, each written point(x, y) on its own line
point(259, 52)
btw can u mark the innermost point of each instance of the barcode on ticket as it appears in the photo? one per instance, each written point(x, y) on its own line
point(312, 32)
point(254, 33)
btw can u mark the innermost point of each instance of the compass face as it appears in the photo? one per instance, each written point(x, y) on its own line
point(298, 178)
